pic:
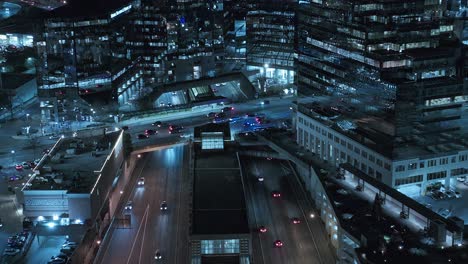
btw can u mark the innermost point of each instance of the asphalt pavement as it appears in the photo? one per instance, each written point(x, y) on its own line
point(301, 242)
point(166, 175)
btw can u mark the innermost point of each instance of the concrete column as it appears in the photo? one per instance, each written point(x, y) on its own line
point(447, 180)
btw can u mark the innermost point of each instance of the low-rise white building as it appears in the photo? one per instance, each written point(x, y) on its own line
point(72, 182)
point(411, 172)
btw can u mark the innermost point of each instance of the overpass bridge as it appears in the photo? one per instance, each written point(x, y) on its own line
point(241, 77)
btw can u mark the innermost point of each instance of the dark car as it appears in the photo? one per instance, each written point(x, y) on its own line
point(278, 243)
point(125, 128)
point(220, 115)
point(163, 206)
point(142, 136)
point(157, 255)
point(174, 129)
point(296, 220)
point(150, 132)
point(211, 115)
point(275, 194)
point(157, 123)
point(227, 109)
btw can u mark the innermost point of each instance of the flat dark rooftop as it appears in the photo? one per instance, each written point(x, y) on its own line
point(206, 259)
point(88, 8)
point(218, 200)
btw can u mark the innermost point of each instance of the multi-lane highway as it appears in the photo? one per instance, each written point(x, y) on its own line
point(302, 243)
point(276, 111)
point(166, 175)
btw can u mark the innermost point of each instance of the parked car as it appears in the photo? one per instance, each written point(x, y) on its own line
point(67, 250)
point(14, 178)
point(450, 194)
point(26, 165)
point(57, 261)
point(10, 251)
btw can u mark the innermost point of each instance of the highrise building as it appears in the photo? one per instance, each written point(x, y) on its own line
point(147, 39)
point(388, 90)
point(270, 39)
point(83, 58)
point(196, 32)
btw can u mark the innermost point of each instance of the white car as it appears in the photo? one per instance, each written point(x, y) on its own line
point(461, 179)
point(141, 181)
point(260, 178)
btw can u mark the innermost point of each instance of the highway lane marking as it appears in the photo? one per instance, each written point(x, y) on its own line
point(178, 212)
point(143, 236)
point(136, 236)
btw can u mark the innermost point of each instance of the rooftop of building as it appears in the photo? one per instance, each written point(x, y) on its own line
point(213, 127)
point(13, 80)
point(372, 124)
point(88, 8)
point(23, 21)
point(374, 131)
point(218, 201)
point(74, 163)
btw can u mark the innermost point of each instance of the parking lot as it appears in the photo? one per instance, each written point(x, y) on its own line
point(446, 205)
point(43, 248)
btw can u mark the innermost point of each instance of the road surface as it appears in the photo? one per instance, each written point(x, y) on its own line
point(301, 242)
point(166, 176)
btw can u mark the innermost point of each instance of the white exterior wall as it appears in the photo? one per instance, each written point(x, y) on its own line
point(331, 145)
point(315, 137)
point(45, 203)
